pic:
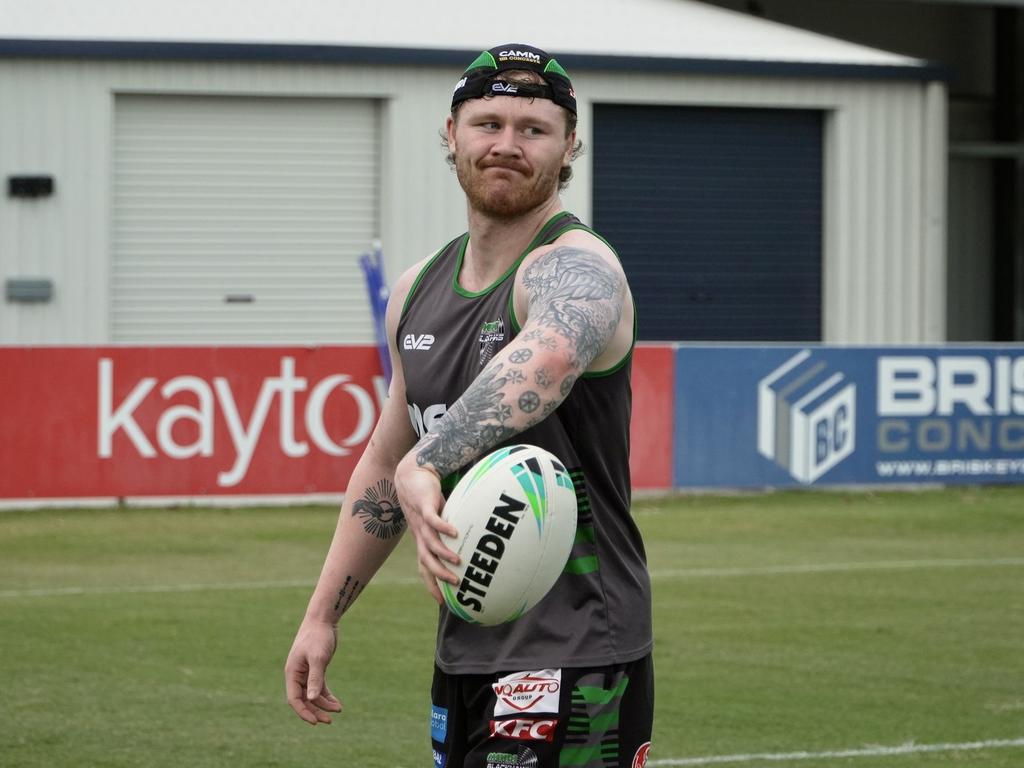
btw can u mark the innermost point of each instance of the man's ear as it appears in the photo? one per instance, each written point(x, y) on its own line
point(570, 144)
point(449, 127)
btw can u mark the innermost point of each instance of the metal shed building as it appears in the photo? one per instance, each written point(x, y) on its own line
point(217, 167)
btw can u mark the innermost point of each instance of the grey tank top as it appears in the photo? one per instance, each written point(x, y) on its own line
point(599, 611)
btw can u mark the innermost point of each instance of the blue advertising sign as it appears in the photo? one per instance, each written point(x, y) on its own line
point(791, 415)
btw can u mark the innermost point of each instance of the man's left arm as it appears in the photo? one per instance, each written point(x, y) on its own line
point(574, 299)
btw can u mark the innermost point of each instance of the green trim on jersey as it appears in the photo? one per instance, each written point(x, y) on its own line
point(419, 279)
point(510, 271)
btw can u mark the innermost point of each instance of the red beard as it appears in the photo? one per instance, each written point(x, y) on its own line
point(506, 194)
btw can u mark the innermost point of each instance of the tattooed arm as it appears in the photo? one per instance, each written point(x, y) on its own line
point(369, 527)
point(578, 317)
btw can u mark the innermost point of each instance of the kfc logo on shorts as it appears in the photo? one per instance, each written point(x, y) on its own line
point(640, 758)
point(527, 692)
point(524, 730)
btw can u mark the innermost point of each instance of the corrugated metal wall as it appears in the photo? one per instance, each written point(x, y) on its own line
point(884, 242)
point(236, 219)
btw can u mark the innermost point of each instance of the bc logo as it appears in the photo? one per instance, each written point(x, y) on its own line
point(805, 417)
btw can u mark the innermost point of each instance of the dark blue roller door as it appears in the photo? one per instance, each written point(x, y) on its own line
point(716, 214)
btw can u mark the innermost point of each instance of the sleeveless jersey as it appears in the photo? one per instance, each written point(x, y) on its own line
point(599, 611)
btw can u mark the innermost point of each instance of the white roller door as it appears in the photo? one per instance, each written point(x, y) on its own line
point(242, 219)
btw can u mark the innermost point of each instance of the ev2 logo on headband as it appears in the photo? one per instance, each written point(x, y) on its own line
point(507, 88)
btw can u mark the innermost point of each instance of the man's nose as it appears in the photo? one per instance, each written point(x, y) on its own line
point(506, 142)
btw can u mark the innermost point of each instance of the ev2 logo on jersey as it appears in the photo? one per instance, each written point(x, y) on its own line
point(806, 417)
point(422, 341)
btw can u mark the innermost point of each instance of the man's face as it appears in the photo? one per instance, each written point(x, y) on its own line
point(509, 152)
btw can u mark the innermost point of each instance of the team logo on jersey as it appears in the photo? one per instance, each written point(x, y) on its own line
point(491, 334)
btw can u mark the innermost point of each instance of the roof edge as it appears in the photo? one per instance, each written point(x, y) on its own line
point(326, 53)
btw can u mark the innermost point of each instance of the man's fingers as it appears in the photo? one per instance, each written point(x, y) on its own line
point(423, 521)
point(433, 565)
point(322, 717)
point(429, 534)
point(314, 681)
point(312, 710)
point(297, 701)
point(441, 525)
point(439, 550)
point(327, 700)
point(294, 685)
point(303, 710)
point(431, 585)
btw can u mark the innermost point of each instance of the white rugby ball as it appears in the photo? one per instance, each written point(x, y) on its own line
point(515, 511)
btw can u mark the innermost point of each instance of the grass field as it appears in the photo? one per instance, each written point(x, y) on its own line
point(797, 626)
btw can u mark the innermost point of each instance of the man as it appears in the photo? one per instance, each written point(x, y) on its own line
point(533, 328)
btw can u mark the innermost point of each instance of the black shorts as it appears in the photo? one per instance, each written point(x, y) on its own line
point(581, 718)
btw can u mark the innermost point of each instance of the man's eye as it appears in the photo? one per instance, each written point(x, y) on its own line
point(534, 131)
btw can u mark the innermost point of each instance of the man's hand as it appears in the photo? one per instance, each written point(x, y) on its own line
point(304, 681)
point(419, 493)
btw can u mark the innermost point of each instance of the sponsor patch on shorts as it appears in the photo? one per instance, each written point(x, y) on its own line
point(524, 729)
point(523, 757)
point(640, 758)
point(439, 758)
point(527, 692)
point(438, 723)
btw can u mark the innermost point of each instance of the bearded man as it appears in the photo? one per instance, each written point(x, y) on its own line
point(533, 328)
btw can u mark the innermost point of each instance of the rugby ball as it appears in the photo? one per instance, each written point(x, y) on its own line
point(515, 511)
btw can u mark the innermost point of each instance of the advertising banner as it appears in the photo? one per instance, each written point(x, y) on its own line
point(131, 421)
point(814, 415)
point(650, 445)
point(102, 422)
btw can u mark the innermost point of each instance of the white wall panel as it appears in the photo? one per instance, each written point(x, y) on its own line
point(55, 120)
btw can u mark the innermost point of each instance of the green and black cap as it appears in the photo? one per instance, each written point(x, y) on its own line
point(481, 78)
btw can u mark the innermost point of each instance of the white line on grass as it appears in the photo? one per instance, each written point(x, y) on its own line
point(155, 588)
point(693, 573)
point(875, 565)
point(905, 749)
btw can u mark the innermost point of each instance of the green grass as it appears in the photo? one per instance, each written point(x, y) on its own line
point(906, 626)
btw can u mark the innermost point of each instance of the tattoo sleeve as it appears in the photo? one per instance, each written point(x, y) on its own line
point(574, 306)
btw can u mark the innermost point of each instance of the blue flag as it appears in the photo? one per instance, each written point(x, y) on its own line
point(377, 288)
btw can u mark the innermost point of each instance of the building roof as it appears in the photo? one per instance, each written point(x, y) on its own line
point(632, 34)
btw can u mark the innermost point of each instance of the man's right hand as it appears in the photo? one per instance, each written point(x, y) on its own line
point(304, 672)
point(419, 493)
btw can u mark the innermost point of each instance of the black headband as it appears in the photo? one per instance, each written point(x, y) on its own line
point(481, 78)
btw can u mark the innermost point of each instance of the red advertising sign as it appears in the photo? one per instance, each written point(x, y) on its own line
point(126, 421)
point(192, 421)
point(651, 454)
